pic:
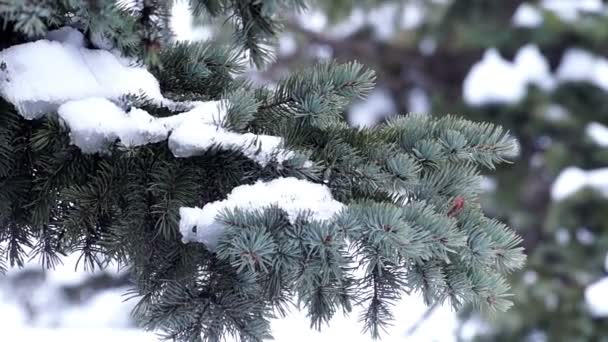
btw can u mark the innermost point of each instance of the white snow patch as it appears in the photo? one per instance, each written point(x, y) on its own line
point(370, 111)
point(598, 133)
point(494, 80)
point(95, 123)
point(287, 44)
point(570, 10)
point(534, 67)
point(38, 77)
point(572, 179)
point(596, 298)
point(418, 101)
point(579, 65)
point(109, 308)
point(412, 15)
point(67, 35)
point(195, 136)
point(384, 19)
point(584, 236)
point(293, 195)
point(528, 16)
point(312, 20)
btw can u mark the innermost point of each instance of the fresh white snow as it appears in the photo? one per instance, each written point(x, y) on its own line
point(33, 79)
point(573, 179)
point(527, 15)
point(580, 65)
point(67, 35)
point(95, 123)
point(84, 85)
point(598, 133)
point(494, 80)
point(293, 195)
point(570, 10)
point(596, 298)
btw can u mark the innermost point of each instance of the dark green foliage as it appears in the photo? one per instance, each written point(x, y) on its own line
point(412, 221)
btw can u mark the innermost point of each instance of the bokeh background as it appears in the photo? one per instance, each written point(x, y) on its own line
point(539, 68)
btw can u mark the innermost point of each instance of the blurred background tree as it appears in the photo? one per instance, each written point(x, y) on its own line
point(536, 67)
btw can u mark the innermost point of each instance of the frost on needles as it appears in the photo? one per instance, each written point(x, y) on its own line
point(234, 203)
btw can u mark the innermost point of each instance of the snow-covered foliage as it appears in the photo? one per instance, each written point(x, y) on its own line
point(596, 298)
point(581, 65)
point(292, 195)
point(494, 80)
point(32, 79)
point(598, 133)
point(572, 179)
point(528, 16)
point(92, 81)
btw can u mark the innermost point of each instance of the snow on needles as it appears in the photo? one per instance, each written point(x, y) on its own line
point(294, 196)
point(60, 74)
point(39, 76)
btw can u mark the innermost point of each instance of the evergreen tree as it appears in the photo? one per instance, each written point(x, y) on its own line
point(232, 203)
point(564, 236)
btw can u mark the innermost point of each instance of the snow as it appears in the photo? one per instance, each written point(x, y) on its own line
point(527, 16)
point(196, 136)
point(312, 20)
point(412, 15)
point(418, 101)
point(598, 133)
point(367, 113)
point(108, 307)
point(68, 35)
point(494, 80)
point(534, 67)
point(570, 10)
point(81, 89)
point(287, 44)
point(596, 298)
point(584, 236)
point(35, 83)
point(95, 123)
point(479, 85)
point(573, 179)
point(408, 310)
point(293, 195)
point(578, 65)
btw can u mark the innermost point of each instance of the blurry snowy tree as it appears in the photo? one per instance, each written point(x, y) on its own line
point(535, 67)
point(230, 202)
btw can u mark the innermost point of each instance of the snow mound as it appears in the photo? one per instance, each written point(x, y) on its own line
point(293, 195)
point(494, 80)
point(95, 123)
point(598, 133)
point(579, 65)
point(572, 179)
point(84, 87)
point(570, 10)
point(596, 299)
point(528, 16)
point(38, 77)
